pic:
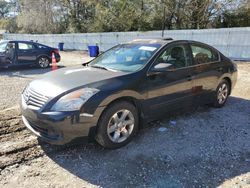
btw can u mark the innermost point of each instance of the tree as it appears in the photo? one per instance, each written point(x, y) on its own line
point(74, 16)
point(122, 15)
point(78, 14)
point(4, 9)
point(40, 16)
point(235, 17)
point(7, 20)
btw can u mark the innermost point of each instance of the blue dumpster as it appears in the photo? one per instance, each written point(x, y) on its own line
point(60, 46)
point(93, 51)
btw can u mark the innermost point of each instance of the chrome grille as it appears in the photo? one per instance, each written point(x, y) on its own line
point(33, 98)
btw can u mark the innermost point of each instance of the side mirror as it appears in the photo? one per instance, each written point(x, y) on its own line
point(161, 67)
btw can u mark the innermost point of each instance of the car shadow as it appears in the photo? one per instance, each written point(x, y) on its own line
point(201, 148)
point(25, 71)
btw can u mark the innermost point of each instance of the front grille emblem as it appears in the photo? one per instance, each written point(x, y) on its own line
point(33, 98)
point(28, 97)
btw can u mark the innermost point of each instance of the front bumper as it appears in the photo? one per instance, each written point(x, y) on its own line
point(58, 57)
point(234, 79)
point(58, 127)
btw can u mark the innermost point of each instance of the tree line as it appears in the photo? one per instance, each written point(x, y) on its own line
point(81, 16)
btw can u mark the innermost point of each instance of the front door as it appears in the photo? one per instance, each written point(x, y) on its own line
point(7, 53)
point(172, 88)
point(26, 53)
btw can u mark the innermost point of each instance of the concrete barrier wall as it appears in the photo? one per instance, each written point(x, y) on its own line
point(233, 42)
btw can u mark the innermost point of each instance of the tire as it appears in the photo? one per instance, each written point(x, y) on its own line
point(43, 62)
point(117, 125)
point(222, 93)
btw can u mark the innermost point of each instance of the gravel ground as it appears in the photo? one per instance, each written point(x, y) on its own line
point(203, 148)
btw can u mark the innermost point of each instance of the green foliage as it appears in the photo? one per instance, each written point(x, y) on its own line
point(238, 18)
point(78, 16)
point(39, 16)
point(4, 8)
point(117, 16)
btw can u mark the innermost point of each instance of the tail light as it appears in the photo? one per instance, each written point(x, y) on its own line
point(56, 51)
point(235, 66)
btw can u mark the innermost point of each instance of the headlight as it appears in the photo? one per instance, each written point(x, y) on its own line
point(74, 100)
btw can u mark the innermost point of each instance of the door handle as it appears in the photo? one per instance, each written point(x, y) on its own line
point(220, 69)
point(190, 77)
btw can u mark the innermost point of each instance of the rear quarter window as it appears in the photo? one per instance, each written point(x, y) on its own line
point(40, 46)
point(203, 54)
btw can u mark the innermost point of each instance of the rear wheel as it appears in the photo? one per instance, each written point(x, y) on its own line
point(222, 94)
point(43, 62)
point(117, 125)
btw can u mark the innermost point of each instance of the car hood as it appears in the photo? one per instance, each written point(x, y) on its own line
point(57, 82)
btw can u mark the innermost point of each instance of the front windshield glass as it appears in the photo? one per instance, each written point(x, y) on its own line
point(126, 57)
point(3, 46)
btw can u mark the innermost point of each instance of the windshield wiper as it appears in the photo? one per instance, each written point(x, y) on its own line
point(99, 67)
point(85, 64)
point(104, 68)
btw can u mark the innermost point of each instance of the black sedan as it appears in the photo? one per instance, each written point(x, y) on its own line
point(19, 53)
point(117, 93)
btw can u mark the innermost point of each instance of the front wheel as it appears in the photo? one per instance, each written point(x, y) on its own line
point(117, 125)
point(222, 94)
point(43, 62)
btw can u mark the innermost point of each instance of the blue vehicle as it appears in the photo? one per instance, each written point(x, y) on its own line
point(21, 53)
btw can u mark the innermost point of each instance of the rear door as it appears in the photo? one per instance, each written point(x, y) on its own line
point(171, 89)
point(26, 53)
point(206, 71)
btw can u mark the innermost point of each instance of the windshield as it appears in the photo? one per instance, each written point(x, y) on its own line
point(126, 57)
point(3, 46)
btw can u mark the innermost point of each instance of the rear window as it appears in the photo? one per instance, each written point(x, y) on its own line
point(40, 46)
point(204, 55)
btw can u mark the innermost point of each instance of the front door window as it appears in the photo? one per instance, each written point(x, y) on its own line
point(176, 55)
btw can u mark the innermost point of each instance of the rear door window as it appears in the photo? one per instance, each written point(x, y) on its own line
point(203, 55)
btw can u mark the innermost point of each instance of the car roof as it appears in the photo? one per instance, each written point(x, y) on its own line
point(160, 41)
point(26, 41)
point(164, 41)
point(151, 41)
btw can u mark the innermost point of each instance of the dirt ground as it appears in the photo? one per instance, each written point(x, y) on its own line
point(203, 148)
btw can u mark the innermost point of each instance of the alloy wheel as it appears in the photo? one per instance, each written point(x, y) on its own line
point(43, 62)
point(120, 126)
point(222, 93)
